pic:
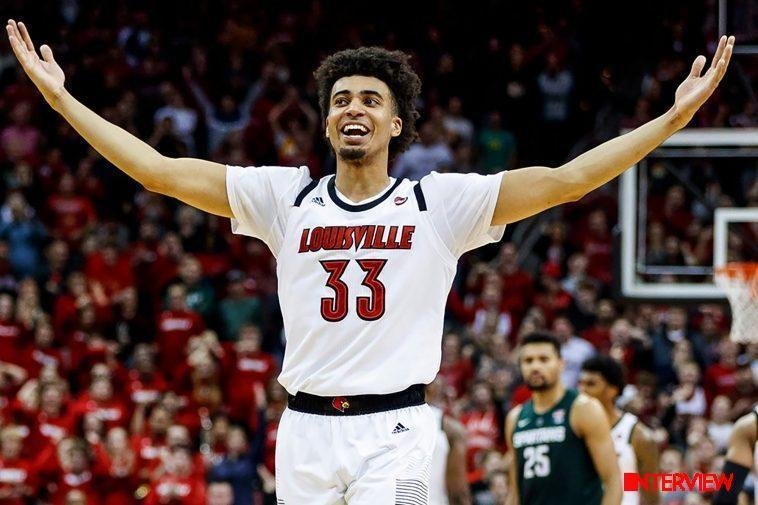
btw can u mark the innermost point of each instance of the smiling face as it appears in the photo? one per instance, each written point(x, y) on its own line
point(362, 118)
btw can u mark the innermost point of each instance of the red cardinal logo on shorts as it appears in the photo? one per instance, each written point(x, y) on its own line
point(399, 200)
point(340, 403)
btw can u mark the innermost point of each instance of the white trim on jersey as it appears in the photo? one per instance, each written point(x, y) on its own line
point(621, 433)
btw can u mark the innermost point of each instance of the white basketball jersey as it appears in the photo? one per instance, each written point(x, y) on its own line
point(438, 483)
point(627, 459)
point(362, 286)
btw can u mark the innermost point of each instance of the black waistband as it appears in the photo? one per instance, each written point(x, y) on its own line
point(356, 405)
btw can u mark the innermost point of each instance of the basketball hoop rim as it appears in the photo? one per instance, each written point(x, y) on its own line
point(743, 270)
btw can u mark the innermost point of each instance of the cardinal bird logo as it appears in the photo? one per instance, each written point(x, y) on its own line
point(399, 200)
point(340, 403)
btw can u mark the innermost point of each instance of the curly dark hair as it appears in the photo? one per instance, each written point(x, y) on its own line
point(390, 67)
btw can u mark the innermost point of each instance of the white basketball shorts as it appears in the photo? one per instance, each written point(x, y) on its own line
point(373, 459)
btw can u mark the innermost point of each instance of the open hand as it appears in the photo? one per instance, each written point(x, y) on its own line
point(696, 88)
point(44, 72)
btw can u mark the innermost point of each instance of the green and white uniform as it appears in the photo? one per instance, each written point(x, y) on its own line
point(553, 464)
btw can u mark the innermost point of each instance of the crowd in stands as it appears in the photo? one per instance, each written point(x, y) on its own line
point(140, 340)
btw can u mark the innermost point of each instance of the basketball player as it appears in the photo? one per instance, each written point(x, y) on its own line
point(602, 378)
point(561, 438)
point(448, 483)
point(741, 456)
point(364, 261)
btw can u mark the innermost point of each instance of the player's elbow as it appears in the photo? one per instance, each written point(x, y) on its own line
point(566, 184)
point(159, 179)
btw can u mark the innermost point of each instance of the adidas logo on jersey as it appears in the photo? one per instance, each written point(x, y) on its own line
point(399, 429)
point(318, 200)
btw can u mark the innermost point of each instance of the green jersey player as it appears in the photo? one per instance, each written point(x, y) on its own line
point(560, 439)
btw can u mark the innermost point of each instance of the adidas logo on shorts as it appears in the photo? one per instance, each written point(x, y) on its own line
point(399, 429)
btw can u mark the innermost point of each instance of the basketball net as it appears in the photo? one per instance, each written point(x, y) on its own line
point(740, 283)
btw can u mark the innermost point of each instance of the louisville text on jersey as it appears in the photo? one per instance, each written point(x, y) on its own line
point(335, 238)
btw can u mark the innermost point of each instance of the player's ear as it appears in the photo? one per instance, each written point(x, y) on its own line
point(326, 127)
point(397, 126)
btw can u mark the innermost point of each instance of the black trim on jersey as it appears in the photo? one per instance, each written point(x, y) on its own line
point(304, 192)
point(631, 432)
point(420, 197)
point(358, 208)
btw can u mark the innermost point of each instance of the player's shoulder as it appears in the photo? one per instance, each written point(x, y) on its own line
point(274, 173)
point(435, 177)
point(642, 434)
point(586, 411)
point(747, 426)
point(512, 417)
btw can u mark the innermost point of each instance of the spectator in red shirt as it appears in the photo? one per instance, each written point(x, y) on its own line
point(482, 424)
point(149, 445)
point(249, 366)
point(721, 377)
point(274, 402)
point(72, 472)
point(17, 476)
point(145, 382)
point(599, 334)
point(12, 378)
point(50, 423)
point(101, 401)
point(11, 332)
point(553, 299)
point(40, 353)
point(110, 269)
point(72, 214)
point(181, 484)
point(117, 468)
point(597, 245)
point(490, 315)
point(175, 327)
point(65, 310)
point(518, 286)
point(456, 369)
point(20, 139)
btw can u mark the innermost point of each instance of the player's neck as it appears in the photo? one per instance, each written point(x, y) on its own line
point(360, 181)
point(612, 412)
point(547, 399)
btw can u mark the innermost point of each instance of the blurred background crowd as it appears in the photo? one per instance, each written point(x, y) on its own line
point(140, 340)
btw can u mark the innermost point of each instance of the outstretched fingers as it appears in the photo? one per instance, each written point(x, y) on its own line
point(19, 48)
point(724, 61)
point(27, 39)
point(719, 52)
point(47, 53)
point(697, 66)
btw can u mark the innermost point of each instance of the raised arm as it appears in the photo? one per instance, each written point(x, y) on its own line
point(199, 183)
point(528, 191)
point(589, 421)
